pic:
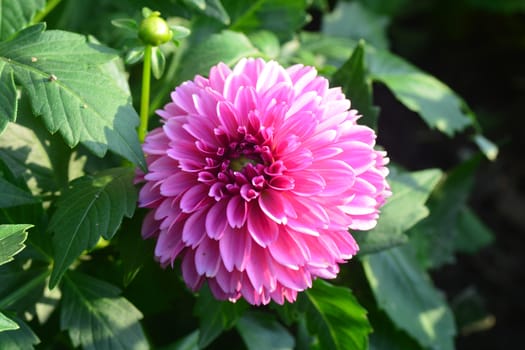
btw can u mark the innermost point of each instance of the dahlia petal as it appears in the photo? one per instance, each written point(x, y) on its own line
point(189, 272)
point(271, 203)
point(260, 270)
point(288, 251)
point(194, 229)
point(236, 212)
point(216, 221)
point(262, 229)
point(235, 247)
point(193, 198)
point(207, 257)
point(176, 184)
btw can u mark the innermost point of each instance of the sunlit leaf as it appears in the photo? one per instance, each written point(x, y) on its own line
point(96, 317)
point(12, 238)
point(60, 73)
point(15, 15)
point(335, 316)
point(405, 292)
point(92, 207)
point(402, 210)
point(6, 324)
point(21, 338)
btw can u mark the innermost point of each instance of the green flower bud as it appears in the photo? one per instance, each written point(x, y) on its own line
point(154, 30)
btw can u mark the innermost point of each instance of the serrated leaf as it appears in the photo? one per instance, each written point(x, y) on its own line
point(473, 234)
point(353, 79)
point(15, 15)
point(96, 317)
point(12, 238)
point(402, 210)
point(93, 206)
point(7, 324)
point(335, 316)
point(21, 338)
point(227, 47)
point(215, 316)
point(61, 74)
point(260, 331)
point(266, 42)
point(13, 196)
point(405, 292)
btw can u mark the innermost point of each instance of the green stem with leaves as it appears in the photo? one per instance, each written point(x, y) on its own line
point(144, 98)
point(50, 5)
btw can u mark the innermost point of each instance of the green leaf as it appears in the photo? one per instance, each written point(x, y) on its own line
point(335, 316)
point(189, 342)
point(13, 196)
point(473, 234)
point(402, 210)
point(405, 292)
point(227, 47)
point(353, 79)
point(12, 238)
point(21, 338)
point(214, 9)
point(96, 317)
point(6, 324)
point(266, 42)
point(434, 238)
point(158, 62)
point(355, 21)
point(283, 18)
point(215, 316)
point(260, 331)
point(61, 74)
point(8, 99)
point(422, 93)
point(15, 15)
point(93, 206)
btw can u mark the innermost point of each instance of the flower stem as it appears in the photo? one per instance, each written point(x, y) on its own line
point(144, 98)
point(50, 5)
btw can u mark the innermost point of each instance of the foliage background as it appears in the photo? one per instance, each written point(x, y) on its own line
point(477, 47)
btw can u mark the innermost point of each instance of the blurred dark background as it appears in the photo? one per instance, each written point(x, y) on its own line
point(477, 48)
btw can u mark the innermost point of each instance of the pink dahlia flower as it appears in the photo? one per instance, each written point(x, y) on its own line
point(254, 179)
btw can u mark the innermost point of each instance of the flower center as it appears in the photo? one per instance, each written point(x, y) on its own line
point(239, 163)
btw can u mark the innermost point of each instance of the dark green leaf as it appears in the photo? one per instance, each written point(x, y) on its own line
point(92, 207)
point(422, 93)
point(13, 196)
point(189, 342)
point(353, 79)
point(21, 338)
point(266, 42)
point(215, 316)
point(260, 331)
point(335, 316)
point(405, 292)
point(386, 336)
point(352, 20)
point(214, 9)
point(12, 238)
point(15, 15)
point(6, 324)
point(434, 238)
point(96, 317)
point(61, 74)
point(283, 18)
point(227, 47)
point(473, 234)
point(402, 210)
point(126, 23)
